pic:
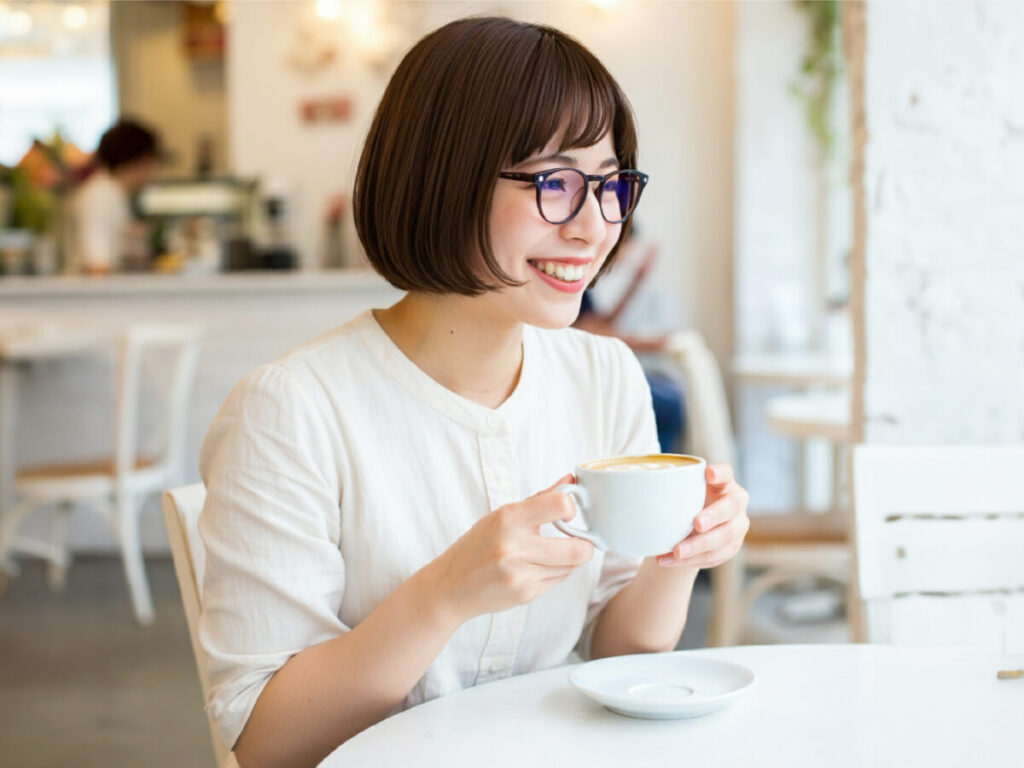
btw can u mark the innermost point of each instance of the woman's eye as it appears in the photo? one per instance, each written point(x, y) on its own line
point(553, 185)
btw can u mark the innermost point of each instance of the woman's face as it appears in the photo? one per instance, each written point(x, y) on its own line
point(525, 245)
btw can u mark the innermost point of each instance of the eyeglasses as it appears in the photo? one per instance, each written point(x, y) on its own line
point(561, 192)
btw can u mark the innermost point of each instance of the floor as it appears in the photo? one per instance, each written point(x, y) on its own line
point(82, 685)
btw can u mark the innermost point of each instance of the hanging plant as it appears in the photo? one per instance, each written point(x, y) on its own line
point(820, 67)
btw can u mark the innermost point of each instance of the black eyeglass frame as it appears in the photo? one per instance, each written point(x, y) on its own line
point(539, 178)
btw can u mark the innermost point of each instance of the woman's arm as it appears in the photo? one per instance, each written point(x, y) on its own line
point(647, 615)
point(329, 692)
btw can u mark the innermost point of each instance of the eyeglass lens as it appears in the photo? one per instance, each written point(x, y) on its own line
point(562, 195)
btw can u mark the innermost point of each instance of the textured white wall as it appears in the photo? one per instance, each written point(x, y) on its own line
point(940, 278)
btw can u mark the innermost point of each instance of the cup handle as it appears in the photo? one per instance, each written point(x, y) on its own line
point(578, 494)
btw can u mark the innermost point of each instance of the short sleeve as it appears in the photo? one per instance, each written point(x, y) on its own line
point(632, 431)
point(274, 576)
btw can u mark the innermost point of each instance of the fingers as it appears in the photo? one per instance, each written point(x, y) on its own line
point(545, 507)
point(563, 480)
point(718, 474)
point(561, 553)
point(706, 550)
point(725, 507)
point(718, 530)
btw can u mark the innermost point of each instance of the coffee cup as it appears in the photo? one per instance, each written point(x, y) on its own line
point(637, 505)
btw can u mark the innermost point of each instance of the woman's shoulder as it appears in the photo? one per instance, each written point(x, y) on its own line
point(321, 363)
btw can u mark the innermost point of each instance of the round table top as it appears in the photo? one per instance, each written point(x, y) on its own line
point(812, 414)
point(795, 369)
point(815, 705)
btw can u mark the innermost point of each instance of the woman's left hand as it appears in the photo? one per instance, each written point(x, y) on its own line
point(719, 529)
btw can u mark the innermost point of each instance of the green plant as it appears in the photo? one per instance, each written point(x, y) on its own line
point(820, 67)
point(34, 206)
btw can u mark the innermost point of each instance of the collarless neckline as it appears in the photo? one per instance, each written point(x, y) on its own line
point(491, 421)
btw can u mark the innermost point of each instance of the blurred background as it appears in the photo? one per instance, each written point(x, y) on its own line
point(827, 253)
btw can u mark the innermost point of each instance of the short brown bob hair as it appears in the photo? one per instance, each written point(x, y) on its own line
point(469, 100)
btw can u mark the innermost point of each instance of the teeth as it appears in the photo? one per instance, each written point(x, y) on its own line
point(568, 273)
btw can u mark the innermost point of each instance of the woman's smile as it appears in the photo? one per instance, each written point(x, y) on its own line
point(569, 275)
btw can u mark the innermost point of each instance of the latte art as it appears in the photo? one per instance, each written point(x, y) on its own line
point(652, 463)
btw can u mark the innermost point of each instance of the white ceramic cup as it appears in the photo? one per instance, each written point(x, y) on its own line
point(639, 512)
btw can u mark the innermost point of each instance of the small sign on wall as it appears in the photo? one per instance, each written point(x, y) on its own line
point(337, 109)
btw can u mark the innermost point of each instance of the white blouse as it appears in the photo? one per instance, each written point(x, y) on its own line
point(336, 472)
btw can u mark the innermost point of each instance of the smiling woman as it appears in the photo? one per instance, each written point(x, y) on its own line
point(427, 172)
point(378, 524)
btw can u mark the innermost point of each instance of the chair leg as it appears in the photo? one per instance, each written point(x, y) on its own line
point(127, 512)
point(56, 574)
point(9, 523)
point(726, 586)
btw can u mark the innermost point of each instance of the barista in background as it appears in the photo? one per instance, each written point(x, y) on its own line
point(101, 218)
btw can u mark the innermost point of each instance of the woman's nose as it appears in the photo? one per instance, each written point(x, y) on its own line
point(587, 225)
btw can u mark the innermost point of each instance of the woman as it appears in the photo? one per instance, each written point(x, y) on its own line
point(377, 523)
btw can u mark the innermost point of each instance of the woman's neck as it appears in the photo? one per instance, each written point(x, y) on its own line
point(455, 343)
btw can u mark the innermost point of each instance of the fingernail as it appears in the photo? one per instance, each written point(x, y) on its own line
point(702, 522)
point(683, 550)
point(666, 559)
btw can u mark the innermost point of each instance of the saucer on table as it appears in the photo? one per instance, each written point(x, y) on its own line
point(662, 686)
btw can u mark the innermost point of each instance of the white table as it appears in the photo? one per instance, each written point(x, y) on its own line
point(805, 371)
point(826, 705)
point(802, 370)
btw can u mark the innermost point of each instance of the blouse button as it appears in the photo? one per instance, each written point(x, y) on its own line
point(493, 422)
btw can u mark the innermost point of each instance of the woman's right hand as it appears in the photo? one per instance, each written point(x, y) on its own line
point(503, 561)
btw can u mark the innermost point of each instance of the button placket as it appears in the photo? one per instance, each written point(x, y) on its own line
point(497, 458)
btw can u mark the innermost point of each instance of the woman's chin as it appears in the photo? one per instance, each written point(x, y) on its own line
point(553, 318)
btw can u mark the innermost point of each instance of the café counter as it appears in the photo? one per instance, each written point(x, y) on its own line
point(65, 406)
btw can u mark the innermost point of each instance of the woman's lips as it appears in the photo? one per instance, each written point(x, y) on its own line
point(574, 286)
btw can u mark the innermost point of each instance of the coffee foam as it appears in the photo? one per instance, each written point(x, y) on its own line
point(640, 463)
point(639, 467)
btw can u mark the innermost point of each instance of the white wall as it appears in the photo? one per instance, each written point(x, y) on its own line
point(674, 60)
point(779, 265)
point(939, 275)
point(157, 82)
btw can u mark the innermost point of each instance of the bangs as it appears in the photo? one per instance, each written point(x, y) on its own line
point(569, 96)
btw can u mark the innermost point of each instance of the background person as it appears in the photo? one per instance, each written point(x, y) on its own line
point(102, 230)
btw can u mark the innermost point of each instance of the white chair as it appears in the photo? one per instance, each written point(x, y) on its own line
point(940, 544)
point(181, 514)
point(784, 547)
point(116, 486)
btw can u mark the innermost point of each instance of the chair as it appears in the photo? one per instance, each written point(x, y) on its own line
point(784, 546)
point(181, 515)
point(939, 537)
point(116, 486)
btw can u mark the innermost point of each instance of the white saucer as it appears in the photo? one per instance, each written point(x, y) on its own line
point(662, 686)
